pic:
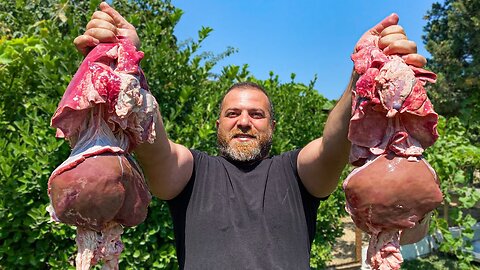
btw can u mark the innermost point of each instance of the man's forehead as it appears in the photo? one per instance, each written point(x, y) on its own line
point(245, 96)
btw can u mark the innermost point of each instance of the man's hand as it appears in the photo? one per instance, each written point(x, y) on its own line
point(104, 26)
point(393, 40)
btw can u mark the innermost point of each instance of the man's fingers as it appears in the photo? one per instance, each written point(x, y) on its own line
point(388, 21)
point(117, 18)
point(97, 23)
point(104, 26)
point(393, 29)
point(401, 47)
point(84, 42)
point(100, 15)
point(415, 59)
point(393, 40)
point(102, 34)
point(389, 39)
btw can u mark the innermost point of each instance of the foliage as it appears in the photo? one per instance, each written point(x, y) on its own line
point(33, 73)
point(454, 160)
point(37, 60)
point(435, 262)
point(453, 40)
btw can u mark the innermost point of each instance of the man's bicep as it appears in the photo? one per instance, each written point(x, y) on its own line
point(176, 172)
point(184, 167)
point(167, 171)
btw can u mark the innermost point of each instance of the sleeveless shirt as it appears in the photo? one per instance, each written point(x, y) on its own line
point(244, 216)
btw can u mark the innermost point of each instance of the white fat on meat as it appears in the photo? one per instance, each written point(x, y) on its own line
point(94, 247)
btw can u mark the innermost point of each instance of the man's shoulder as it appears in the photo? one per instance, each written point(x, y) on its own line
point(292, 154)
point(199, 155)
point(287, 159)
point(196, 152)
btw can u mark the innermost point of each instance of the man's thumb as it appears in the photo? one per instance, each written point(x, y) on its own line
point(391, 19)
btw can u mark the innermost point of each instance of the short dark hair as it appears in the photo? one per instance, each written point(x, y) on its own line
point(245, 85)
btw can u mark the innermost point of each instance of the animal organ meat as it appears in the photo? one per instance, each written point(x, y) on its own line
point(393, 190)
point(109, 183)
point(106, 111)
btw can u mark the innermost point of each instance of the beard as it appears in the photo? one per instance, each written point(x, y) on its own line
point(252, 150)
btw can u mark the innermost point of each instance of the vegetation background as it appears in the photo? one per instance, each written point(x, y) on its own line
point(38, 59)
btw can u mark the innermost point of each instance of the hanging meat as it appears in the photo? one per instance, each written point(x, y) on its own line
point(391, 194)
point(106, 111)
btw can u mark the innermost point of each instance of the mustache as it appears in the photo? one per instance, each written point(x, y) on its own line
point(237, 133)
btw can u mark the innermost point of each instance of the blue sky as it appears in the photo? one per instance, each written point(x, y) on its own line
point(305, 37)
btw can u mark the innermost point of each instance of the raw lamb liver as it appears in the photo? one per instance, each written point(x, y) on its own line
point(103, 188)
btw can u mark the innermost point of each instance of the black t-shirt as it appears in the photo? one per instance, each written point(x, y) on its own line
point(237, 216)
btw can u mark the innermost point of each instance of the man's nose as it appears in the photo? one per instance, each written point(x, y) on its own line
point(243, 122)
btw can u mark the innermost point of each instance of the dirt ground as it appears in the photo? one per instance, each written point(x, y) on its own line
point(344, 251)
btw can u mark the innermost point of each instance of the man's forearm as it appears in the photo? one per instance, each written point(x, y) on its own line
point(149, 154)
point(335, 133)
point(321, 162)
point(167, 166)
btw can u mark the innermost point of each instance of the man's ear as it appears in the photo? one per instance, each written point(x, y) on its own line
point(217, 123)
point(273, 125)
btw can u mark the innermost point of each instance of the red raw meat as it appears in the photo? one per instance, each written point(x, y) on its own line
point(393, 121)
point(106, 111)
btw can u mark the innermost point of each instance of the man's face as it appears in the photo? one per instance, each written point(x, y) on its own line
point(245, 128)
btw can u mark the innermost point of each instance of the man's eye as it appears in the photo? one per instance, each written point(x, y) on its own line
point(231, 114)
point(257, 115)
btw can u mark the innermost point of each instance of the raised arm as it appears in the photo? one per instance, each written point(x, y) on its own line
point(167, 165)
point(321, 162)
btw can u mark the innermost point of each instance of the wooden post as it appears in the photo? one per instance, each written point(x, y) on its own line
point(358, 244)
point(445, 211)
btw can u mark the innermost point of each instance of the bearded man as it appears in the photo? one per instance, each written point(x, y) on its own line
point(244, 209)
point(242, 142)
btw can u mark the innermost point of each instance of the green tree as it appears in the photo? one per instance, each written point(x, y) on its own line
point(453, 157)
point(38, 59)
point(453, 39)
